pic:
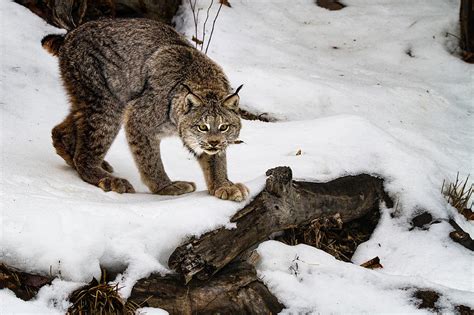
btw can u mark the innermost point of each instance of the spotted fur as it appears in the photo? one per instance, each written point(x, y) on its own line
point(143, 74)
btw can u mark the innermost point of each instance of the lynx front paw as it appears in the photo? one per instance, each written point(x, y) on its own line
point(234, 192)
point(116, 184)
point(177, 188)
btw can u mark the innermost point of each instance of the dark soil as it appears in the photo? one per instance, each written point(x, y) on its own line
point(428, 299)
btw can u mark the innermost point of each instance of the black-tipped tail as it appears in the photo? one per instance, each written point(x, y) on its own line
point(52, 43)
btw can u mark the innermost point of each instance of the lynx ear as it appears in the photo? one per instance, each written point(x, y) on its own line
point(191, 100)
point(232, 101)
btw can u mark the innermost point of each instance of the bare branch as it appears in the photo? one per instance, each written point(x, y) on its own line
point(204, 27)
point(213, 25)
point(195, 18)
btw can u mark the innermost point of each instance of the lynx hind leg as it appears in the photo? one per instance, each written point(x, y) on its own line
point(64, 141)
point(145, 147)
point(95, 132)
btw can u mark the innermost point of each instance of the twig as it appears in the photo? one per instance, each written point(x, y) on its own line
point(204, 27)
point(448, 33)
point(212, 30)
point(195, 18)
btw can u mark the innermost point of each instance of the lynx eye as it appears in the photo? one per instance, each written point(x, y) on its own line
point(223, 127)
point(203, 127)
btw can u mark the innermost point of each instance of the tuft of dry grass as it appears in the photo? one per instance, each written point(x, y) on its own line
point(99, 297)
point(459, 194)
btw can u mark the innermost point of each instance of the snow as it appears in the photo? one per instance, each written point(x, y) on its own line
point(151, 311)
point(365, 107)
point(306, 279)
point(49, 300)
point(10, 305)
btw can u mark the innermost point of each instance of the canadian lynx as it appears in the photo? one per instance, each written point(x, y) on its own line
point(144, 74)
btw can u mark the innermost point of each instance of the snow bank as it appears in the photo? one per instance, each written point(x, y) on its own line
point(306, 279)
point(10, 305)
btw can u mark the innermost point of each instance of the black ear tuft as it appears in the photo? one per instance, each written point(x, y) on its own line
point(232, 100)
point(238, 89)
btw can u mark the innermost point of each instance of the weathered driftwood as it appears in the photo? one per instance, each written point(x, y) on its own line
point(234, 290)
point(69, 14)
point(283, 204)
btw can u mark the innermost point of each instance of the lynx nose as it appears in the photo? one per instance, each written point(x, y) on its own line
point(214, 143)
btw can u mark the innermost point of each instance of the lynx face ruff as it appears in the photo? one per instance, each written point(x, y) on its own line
point(144, 74)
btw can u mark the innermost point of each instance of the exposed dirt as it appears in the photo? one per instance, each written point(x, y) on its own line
point(428, 299)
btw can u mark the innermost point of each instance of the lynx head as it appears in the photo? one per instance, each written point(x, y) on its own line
point(209, 123)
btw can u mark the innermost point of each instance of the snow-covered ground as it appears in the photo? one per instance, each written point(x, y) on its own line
point(347, 95)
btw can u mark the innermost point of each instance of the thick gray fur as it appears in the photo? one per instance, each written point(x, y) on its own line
point(144, 74)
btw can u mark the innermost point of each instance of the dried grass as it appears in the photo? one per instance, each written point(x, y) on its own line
point(459, 194)
point(332, 235)
point(99, 297)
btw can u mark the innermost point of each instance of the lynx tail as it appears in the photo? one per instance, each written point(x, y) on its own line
point(52, 43)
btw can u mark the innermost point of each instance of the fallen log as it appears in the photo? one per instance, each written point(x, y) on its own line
point(234, 287)
point(283, 204)
point(460, 236)
point(234, 290)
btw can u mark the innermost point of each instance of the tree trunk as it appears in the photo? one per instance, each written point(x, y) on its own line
point(466, 21)
point(69, 14)
point(235, 290)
